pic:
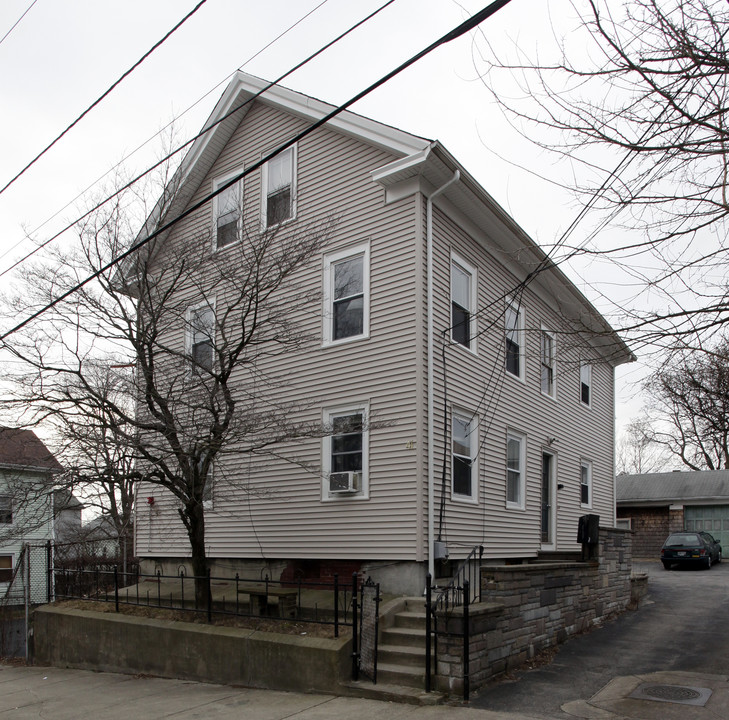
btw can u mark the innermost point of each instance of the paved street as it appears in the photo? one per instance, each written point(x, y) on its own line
point(682, 627)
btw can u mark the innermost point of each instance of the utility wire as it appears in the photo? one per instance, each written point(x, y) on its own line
point(205, 130)
point(27, 10)
point(157, 134)
point(98, 100)
point(459, 30)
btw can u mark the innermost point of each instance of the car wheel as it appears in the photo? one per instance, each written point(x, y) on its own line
point(718, 557)
point(708, 562)
point(666, 565)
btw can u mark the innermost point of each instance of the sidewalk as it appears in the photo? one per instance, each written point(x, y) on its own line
point(59, 694)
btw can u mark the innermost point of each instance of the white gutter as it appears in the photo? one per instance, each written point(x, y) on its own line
point(431, 430)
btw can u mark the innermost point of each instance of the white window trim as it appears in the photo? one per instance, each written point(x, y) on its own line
point(294, 191)
point(472, 420)
point(330, 259)
point(586, 464)
point(472, 300)
point(589, 384)
point(211, 304)
point(326, 461)
point(553, 335)
point(217, 182)
point(521, 323)
point(521, 505)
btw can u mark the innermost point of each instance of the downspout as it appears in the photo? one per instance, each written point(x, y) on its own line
point(431, 402)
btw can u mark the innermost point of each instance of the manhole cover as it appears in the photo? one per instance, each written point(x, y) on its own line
point(672, 693)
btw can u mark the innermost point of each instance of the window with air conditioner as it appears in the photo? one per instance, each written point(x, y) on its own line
point(344, 453)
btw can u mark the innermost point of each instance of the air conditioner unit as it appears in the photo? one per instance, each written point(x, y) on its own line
point(344, 482)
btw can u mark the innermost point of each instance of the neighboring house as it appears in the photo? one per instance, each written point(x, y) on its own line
point(26, 497)
point(517, 444)
point(656, 504)
point(67, 509)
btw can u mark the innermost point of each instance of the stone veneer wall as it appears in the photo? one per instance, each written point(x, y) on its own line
point(527, 608)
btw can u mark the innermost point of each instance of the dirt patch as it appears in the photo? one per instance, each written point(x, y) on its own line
point(288, 627)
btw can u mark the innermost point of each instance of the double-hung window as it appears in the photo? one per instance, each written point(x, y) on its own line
point(227, 212)
point(514, 328)
point(586, 384)
point(548, 354)
point(201, 336)
point(463, 302)
point(6, 509)
point(464, 457)
point(346, 295)
point(585, 484)
point(279, 188)
point(6, 568)
point(345, 453)
point(515, 470)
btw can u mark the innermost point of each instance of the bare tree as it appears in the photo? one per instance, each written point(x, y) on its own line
point(636, 100)
point(636, 453)
point(689, 408)
point(197, 326)
point(99, 461)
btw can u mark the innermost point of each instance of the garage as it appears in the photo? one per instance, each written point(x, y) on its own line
point(653, 505)
point(713, 519)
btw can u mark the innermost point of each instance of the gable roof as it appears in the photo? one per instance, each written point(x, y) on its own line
point(672, 487)
point(418, 158)
point(21, 449)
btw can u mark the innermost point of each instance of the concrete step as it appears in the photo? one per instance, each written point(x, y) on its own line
point(404, 636)
point(389, 693)
point(401, 655)
point(410, 619)
point(403, 675)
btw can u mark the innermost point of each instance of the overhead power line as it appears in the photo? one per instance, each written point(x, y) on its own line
point(15, 24)
point(205, 130)
point(453, 34)
point(99, 99)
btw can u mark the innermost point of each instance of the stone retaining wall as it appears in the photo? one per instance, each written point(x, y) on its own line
point(527, 608)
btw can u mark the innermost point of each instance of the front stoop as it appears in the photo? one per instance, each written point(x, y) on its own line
point(401, 656)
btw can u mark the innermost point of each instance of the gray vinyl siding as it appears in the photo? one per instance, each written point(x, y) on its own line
point(272, 508)
point(478, 383)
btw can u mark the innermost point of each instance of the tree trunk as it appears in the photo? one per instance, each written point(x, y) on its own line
point(196, 533)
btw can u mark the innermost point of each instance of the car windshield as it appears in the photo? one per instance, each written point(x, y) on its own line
point(682, 540)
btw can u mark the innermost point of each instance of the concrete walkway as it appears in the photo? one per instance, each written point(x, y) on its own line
point(60, 694)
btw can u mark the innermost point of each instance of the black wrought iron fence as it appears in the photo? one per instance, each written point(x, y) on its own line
point(463, 589)
point(321, 602)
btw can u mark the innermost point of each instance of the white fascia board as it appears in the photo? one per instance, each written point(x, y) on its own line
point(371, 131)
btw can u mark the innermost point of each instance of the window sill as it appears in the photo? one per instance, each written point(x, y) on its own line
point(465, 499)
point(344, 341)
point(344, 497)
point(515, 506)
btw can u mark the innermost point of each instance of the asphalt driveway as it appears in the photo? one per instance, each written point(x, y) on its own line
point(681, 626)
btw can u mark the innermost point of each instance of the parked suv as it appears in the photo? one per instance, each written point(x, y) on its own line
point(690, 548)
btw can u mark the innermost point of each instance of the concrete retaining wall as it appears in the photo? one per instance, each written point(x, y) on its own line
point(527, 608)
point(233, 656)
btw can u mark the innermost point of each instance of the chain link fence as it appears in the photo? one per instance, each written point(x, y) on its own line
point(25, 588)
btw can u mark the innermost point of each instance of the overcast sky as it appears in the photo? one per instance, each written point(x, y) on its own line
point(63, 55)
